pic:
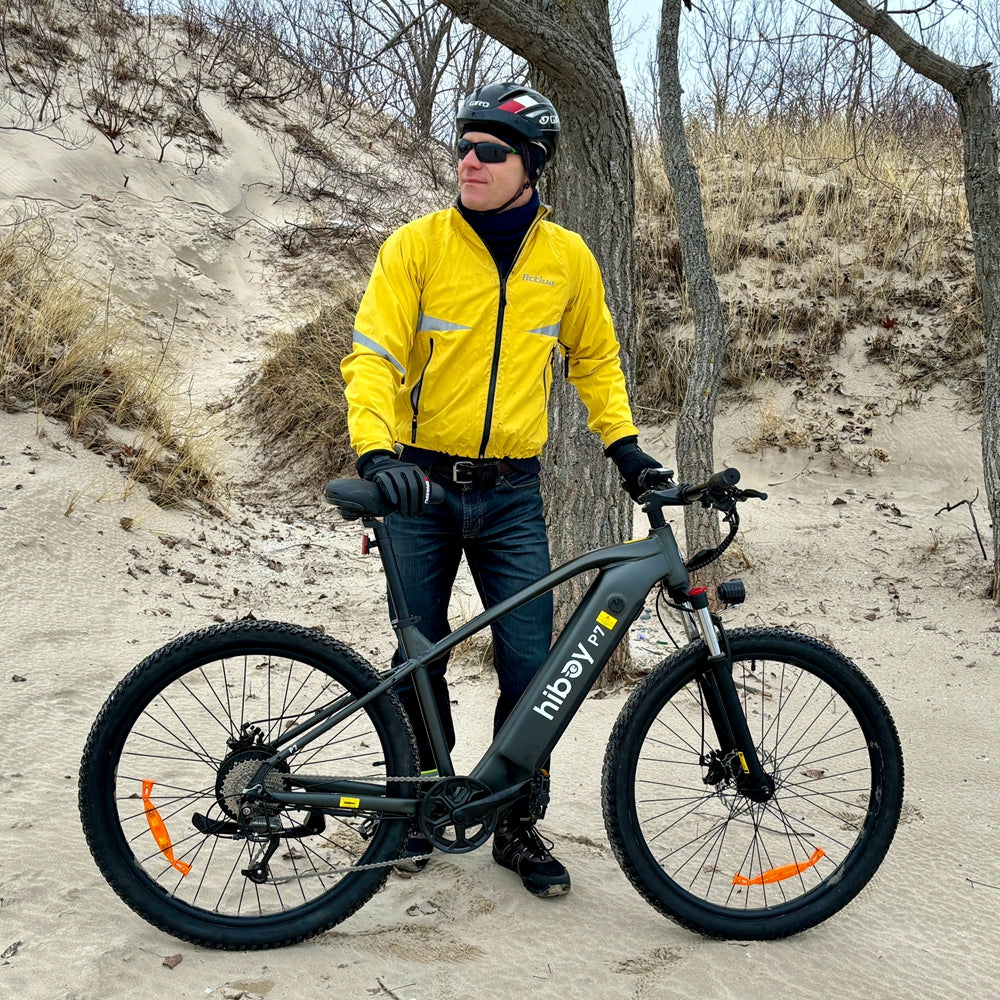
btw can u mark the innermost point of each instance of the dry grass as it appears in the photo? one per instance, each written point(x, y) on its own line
point(664, 359)
point(62, 354)
point(813, 232)
point(954, 356)
point(782, 191)
point(295, 401)
point(772, 429)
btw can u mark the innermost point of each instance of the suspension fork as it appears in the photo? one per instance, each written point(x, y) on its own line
point(723, 702)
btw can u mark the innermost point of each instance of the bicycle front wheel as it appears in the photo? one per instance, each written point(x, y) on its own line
point(183, 735)
point(702, 852)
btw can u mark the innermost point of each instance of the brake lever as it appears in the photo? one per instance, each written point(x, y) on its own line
point(723, 501)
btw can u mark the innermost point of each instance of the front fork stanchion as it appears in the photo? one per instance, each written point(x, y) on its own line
point(690, 621)
point(725, 708)
point(698, 599)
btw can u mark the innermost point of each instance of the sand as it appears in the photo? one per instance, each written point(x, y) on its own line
point(84, 600)
point(858, 553)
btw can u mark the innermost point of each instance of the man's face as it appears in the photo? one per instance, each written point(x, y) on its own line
point(486, 186)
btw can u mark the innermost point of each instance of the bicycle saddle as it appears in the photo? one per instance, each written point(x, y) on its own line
point(356, 498)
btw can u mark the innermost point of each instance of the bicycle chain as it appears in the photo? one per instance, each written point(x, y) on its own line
point(378, 864)
point(347, 871)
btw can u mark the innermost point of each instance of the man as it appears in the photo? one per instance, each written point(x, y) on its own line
point(449, 379)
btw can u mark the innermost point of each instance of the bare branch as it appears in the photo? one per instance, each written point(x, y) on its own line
point(919, 57)
point(972, 514)
point(548, 46)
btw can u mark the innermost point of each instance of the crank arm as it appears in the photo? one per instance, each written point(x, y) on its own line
point(472, 812)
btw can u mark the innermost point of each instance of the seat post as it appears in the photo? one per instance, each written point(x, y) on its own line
point(412, 641)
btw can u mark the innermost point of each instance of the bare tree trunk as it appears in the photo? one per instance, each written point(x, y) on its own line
point(970, 87)
point(696, 423)
point(979, 139)
point(591, 188)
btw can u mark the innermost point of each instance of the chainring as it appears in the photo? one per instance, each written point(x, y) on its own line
point(437, 820)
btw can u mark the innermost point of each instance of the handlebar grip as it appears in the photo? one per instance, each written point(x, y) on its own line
point(717, 482)
point(723, 479)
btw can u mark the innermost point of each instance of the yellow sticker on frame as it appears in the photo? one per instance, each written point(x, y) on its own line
point(348, 803)
point(606, 620)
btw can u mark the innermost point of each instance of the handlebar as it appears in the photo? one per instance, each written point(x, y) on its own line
point(718, 491)
point(358, 498)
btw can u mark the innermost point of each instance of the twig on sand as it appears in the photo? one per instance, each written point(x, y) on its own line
point(390, 993)
point(972, 514)
point(985, 885)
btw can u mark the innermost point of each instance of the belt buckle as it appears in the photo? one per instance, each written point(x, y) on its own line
point(461, 468)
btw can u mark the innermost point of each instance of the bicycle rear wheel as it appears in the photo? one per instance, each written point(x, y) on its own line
point(179, 740)
point(706, 855)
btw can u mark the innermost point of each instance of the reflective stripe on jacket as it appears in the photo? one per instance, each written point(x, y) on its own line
point(448, 358)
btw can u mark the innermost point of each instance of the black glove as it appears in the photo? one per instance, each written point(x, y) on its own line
point(631, 460)
point(403, 484)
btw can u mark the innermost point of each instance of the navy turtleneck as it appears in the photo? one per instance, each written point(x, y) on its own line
point(503, 232)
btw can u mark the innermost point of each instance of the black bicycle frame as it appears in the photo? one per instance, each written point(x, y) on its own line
point(626, 574)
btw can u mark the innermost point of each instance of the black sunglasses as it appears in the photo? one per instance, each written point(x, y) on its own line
point(486, 152)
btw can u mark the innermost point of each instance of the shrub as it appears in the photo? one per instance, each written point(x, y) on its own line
point(65, 356)
point(295, 401)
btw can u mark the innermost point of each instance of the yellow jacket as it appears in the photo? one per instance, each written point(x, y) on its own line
point(449, 359)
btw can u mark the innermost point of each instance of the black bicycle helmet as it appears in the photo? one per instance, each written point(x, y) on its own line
point(517, 109)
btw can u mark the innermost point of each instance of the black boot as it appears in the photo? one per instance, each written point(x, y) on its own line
point(517, 846)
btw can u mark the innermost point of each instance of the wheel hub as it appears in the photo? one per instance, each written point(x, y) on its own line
point(728, 771)
point(237, 771)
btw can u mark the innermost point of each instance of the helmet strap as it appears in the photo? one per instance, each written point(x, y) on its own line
point(510, 201)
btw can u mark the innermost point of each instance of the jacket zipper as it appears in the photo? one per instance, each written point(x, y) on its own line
point(498, 337)
point(415, 394)
point(495, 367)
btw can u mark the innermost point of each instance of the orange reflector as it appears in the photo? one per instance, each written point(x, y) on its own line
point(780, 874)
point(159, 829)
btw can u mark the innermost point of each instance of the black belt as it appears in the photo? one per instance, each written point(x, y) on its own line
point(471, 472)
point(481, 472)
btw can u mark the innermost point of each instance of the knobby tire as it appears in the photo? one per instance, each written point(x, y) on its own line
point(165, 754)
point(706, 855)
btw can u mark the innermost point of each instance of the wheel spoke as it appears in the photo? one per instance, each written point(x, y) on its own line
point(194, 732)
point(709, 854)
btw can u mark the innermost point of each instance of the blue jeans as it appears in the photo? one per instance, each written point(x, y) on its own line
point(501, 531)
